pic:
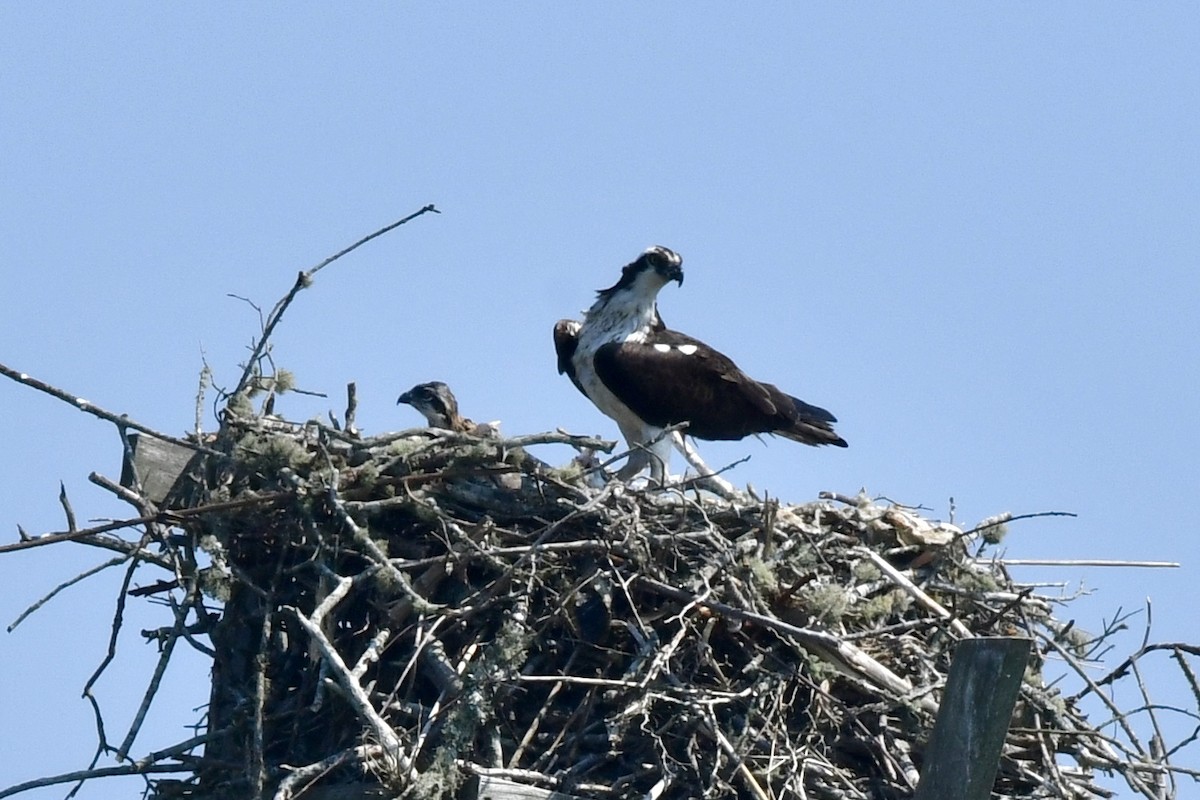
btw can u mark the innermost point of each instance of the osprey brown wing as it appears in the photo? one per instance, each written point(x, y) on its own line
point(665, 385)
point(674, 378)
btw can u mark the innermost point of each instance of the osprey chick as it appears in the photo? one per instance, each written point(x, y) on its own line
point(646, 377)
point(437, 404)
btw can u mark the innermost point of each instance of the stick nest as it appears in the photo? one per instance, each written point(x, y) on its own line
point(413, 610)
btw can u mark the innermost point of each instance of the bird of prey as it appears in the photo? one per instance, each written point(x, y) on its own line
point(437, 404)
point(647, 377)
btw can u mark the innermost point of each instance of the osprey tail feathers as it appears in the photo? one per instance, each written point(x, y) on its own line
point(813, 425)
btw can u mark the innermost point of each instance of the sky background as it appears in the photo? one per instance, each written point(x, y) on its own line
point(970, 231)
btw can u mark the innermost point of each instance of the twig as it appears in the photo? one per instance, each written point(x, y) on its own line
point(898, 578)
point(99, 772)
point(164, 517)
point(66, 504)
point(843, 655)
point(64, 585)
point(354, 692)
point(288, 786)
point(1083, 562)
point(1004, 519)
point(1120, 670)
point(721, 486)
point(303, 281)
point(96, 411)
point(134, 499)
point(115, 629)
point(159, 670)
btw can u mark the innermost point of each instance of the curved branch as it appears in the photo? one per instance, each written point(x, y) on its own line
point(303, 281)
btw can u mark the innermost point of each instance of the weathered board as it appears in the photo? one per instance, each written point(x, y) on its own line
point(159, 465)
point(981, 690)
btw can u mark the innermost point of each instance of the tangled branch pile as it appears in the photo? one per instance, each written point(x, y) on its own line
point(411, 611)
point(414, 614)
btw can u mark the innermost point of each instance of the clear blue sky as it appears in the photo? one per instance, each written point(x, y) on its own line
point(970, 231)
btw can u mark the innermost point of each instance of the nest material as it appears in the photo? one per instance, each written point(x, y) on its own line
point(413, 610)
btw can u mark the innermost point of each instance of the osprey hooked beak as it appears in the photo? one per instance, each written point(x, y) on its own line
point(436, 403)
point(666, 263)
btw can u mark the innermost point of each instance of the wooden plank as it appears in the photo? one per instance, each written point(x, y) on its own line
point(981, 690)
point(159, 465)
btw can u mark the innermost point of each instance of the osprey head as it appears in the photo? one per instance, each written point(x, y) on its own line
point(651, 271)
point(435, 401)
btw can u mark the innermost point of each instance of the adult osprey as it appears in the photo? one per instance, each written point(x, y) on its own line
point(647, 376)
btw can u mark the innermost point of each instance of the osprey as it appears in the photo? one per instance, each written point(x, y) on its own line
point(646, 376)
point(437, 404)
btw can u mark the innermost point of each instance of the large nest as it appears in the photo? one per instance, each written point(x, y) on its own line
point(416, 610)
point(423, 613)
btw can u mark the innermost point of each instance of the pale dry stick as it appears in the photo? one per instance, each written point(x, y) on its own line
point(1041, 603)
point(1085, 562)
point(663, 657)
point(202, 385)
point(721, 486)
point(180, 748)
point(376, 554)
point(1048, 759)
point(134, 499)
point(337, 595)
point(852, 661)
point(667, 431)
point(288, 786)
point(617, 683)
point(127, 548)
point(351, 408)
point(539, 717)
point(1158, 742)
point(901, 580)
point(90, 408)
point(658, 788)
point(258, 753)
point(303, 281)
point(509, 773)
point(743, 770)
point(66, 504)
point(354, 692)
point(1190, 675)
point(558, 437)
point(372, 653)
